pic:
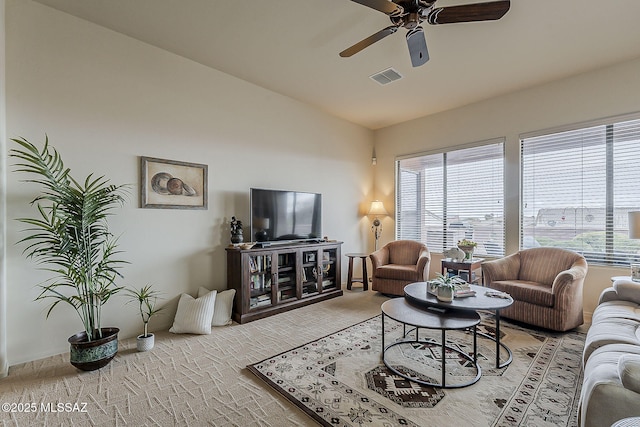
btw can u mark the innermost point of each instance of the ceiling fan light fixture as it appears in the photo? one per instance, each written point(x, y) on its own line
point(386, 76)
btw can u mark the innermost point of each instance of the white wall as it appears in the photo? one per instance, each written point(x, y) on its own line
point(607, 92)
point(104, 100)
point(4, 363)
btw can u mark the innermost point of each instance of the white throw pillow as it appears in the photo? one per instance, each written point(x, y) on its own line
point(194, 315)
point(223, 308)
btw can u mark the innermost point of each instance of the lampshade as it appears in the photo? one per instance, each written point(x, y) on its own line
point(634, 225)
point(377, 209)
point(261, 223)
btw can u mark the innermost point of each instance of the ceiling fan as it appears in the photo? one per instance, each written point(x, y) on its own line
point(411, 13)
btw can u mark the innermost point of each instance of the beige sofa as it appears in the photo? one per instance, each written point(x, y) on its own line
point(545, 283)
point(611, 358)
point(397, 264)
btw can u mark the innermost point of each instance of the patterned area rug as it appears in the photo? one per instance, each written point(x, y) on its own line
point(340, 379)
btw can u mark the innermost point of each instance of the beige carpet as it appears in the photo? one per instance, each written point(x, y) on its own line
point(186, 379)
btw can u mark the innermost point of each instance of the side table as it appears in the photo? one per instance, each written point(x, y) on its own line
point(469, 266)
point(365, 278)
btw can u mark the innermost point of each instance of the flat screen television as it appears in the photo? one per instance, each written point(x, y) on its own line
point(285, 216)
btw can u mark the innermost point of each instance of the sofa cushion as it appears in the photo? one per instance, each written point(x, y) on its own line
point(399, 272)
point(521, 290)
point(610, 331)
point(604, 399)
point(616, 310)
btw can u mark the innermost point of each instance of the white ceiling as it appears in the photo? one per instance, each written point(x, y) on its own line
point(291, 47)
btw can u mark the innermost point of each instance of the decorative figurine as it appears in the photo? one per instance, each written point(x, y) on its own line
point(236, 230)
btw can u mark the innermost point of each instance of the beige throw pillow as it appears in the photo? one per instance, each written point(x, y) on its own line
point(223, 306)
point(194, 315)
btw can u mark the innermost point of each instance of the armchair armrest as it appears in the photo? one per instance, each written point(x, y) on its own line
point(423, 263)
point(575, 274)
point(506, 268)
point(379, 258)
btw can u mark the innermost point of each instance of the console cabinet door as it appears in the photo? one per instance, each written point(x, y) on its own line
point(286, 276)
point(330, 267)
point(259, 268)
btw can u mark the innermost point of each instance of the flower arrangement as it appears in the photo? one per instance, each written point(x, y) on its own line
point(466, 242)
point(467, 246)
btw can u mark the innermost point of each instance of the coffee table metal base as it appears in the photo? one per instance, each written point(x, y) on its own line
point(417, 294)
point(403, 312)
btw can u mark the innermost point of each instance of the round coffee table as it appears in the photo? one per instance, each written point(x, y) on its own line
point(401, 310)
point(417, 293)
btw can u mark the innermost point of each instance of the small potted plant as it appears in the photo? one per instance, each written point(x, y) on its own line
point(444, 287)
point(147, 300)
point(467, 246)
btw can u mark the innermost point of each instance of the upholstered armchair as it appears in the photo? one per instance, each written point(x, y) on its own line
point(397, 264)
point(545, 284)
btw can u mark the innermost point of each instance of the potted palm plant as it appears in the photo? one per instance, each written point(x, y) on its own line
point(147, 300)
point(71, 237)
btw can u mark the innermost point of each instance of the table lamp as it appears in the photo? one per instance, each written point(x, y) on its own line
point(377, 209)
point(634, 233)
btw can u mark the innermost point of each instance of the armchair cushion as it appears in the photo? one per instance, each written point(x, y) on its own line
point(399, 272)
point(533, 292)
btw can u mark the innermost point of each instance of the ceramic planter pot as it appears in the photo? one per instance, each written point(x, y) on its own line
point(91, 355)
point(145, 342)
point(468, 252)
point(445, 294)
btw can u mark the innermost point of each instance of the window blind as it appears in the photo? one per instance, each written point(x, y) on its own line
point(453, 195)
point(577, 188)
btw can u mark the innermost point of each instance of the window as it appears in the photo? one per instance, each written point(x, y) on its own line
point(448, 196)
point(577, 187)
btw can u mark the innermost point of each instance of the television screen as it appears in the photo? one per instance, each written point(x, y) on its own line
point(278, 215)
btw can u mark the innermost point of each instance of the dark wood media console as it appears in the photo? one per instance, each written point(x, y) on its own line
point(278, 278)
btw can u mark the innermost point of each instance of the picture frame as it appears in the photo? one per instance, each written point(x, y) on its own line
point(171, 184)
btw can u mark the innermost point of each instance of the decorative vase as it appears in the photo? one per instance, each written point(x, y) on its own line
point(237, 238)
point(468, 252)
point(91, 355)
point(445, 294)
point(145, 342)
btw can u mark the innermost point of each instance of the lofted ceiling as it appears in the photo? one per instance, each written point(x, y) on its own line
point(291, 47)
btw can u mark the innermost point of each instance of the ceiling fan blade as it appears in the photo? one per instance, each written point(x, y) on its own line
point(368, 41)
point(489, 11)
point(417, 47)
point(384, 6)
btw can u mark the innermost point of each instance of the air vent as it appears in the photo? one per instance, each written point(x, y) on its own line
point(386, 76)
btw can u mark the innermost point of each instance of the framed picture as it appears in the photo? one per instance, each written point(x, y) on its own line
point(169, 184)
